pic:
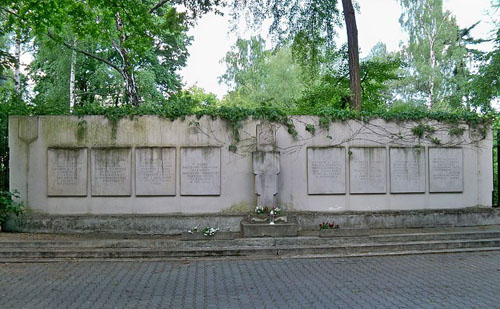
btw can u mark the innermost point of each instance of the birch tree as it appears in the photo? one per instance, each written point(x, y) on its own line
point(432, 51)
point(129, 35)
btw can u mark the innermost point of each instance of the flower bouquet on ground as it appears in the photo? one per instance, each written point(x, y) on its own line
point(330, 229)
point(207, 233)
point(328, 226)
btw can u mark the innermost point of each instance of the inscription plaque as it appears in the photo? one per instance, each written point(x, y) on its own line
point(200, 171)
point(446, 170)
point(367, 170)
point(111, 171)
point(155, 171)
point(67, 172)
point(326, 170)
point(407, 170)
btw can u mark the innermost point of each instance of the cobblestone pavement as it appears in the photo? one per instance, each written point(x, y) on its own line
point(466, 280)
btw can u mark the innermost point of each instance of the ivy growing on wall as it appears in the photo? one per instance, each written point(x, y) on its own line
point(180, 108)
point(235, 116)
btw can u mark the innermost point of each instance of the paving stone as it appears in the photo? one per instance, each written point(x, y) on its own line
point(466, 280)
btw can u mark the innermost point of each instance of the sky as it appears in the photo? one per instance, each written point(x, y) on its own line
point(378, 21)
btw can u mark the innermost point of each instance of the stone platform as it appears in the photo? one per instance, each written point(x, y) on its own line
point(176, 224)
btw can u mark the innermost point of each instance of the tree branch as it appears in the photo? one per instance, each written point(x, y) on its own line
point(86, 53)
point(10, 12)
point(364, 76)
point(157, 6)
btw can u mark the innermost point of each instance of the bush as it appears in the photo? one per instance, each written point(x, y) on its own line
point(8, 206)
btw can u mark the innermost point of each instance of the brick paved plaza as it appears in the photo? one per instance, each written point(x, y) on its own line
point(466, 280)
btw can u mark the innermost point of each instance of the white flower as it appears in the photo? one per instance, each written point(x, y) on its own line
point(210, 231)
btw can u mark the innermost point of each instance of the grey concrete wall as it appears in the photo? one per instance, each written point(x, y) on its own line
point(67, 152)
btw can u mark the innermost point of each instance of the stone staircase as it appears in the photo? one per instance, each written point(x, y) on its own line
point(21, 247)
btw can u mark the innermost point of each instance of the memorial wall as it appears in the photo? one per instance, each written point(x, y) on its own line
point(148, 165)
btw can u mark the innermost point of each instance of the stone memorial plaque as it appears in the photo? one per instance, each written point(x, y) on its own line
point(407, 170)
point(446, 170)
point(200, 171)
point(367, 170)
point(111, 171)
point(326, 170)
point(155, 171)
point(67, 172)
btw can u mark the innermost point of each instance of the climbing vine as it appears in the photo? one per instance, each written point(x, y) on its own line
point(236, 115)
point(182, 107)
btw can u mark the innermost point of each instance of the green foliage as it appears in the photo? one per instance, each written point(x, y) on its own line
point(436, 140)
point(260, 76)
point(378, 71)
point(331, 88)
point(311, 128)
point(187, 104)
point(136, 46)
point(486, 85)
point(8, 205)
point(496, 132)
point(314, 19)
point(456, 131)
point(422, 129)
point(436, 56)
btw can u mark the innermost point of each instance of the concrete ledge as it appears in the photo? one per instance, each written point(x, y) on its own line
point(120, 224)
point(200, 236)
point(340, 232)
point(472, 216)
point(178, 223)
point(249, 230)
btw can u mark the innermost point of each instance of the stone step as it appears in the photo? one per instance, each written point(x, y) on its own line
point(379, 242)
point(392, 247)
point(375, 237)
point(247, 251)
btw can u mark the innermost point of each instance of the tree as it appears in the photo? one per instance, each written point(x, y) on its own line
point(352, 43)
point(434, 54)
point(311, 25)
point(486, 84)
point(128, 35)
point(245, 64)
point(258, 75)
point(379, 70)
point(332, 88)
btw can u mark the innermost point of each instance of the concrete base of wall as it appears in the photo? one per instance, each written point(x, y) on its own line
point(251, 230)
point(176, 224)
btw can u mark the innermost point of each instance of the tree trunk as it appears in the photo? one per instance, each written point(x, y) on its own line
point(72, 78)
point(127, 71)
point(432, 86)
point(128, 76)
point(17, 68)
point(352, 45)
point(131, 88)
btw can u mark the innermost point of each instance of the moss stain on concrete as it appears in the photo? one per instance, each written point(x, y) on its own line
point(238, 208)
